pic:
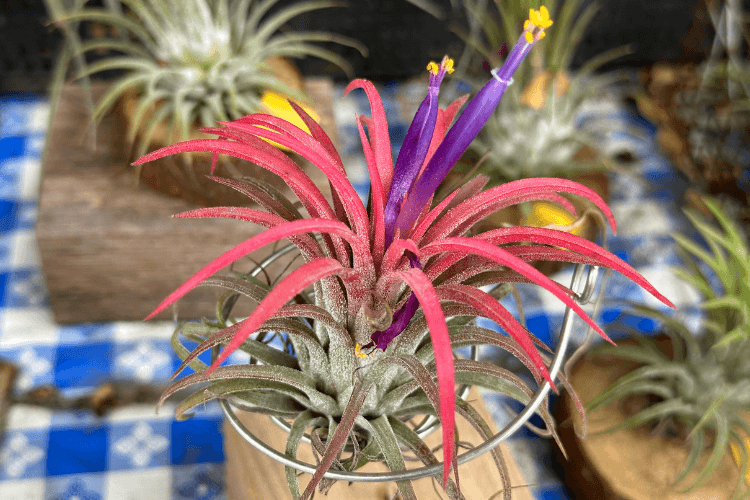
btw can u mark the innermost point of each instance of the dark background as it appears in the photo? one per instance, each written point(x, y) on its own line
point(400, 37)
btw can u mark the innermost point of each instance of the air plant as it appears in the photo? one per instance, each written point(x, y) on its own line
point(702, 388)
point(391, 281)
point(191, 60)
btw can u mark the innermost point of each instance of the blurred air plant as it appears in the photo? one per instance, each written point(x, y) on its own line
point(702, 388)
point(189, 60)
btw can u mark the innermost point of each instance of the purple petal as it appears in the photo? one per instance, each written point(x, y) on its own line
point(458, 138)
point(412, 154)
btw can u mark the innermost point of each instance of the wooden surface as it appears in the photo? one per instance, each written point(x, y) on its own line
point(253, 476)
point(110, 251)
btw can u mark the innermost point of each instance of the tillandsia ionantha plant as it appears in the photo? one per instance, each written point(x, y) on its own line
point(392, 282)
point(538, 131)
point(703, 387)
point(191, 60)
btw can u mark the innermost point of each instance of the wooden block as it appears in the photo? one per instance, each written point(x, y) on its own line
point(110, 251)
point(251, 475)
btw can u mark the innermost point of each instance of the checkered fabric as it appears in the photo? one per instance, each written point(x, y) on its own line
point(136, 453)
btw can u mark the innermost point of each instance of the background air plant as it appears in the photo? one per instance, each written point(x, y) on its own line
point(381, 300)
point(190, 60)
point(703, 388)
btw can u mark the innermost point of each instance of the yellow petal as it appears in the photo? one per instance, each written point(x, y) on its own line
point(545, 214)
point(278, 105)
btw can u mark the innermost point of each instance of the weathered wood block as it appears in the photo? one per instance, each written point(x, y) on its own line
point(111, 251)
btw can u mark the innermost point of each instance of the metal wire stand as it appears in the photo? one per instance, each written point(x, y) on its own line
point(585, 283)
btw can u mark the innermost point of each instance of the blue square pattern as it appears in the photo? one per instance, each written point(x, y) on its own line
point(83, 365)
point(12, 147)
point(22, 454)
point(198, 482)
point(147, 360)
point(84, 333)
point(77, 451)
point(76, 487)
point(197, 440)
point(551, 493)
point(138, 445)
point(8, 215)
point(26, 288)
point(36, 364)
point(10, 178)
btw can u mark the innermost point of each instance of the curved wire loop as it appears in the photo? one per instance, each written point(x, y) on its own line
point(582, 285)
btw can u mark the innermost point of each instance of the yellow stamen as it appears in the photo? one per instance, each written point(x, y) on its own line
point(529, 37)
point(448, 65)
point(533, 16)
point(544, 14)
point(445, 65)
point(358, 351)
point(539, 18)
point(526, 24)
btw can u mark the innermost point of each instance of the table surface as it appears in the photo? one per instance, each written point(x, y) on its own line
point(135, 453)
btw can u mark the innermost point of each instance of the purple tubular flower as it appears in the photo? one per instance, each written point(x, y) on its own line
point(459, 137)
point(414, 149)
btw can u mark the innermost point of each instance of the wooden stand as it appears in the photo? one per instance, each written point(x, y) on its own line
point(253, 476)
point(111, 251)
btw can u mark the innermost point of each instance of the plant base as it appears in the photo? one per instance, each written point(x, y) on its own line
point(251, 475)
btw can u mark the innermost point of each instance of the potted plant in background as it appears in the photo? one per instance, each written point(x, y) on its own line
point(684, 401)
point(372, 315)
point(183, 64)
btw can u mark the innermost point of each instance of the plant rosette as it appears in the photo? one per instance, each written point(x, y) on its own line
point(672, 411)
point(187, 177)
point(192, 63)
point(383, 294)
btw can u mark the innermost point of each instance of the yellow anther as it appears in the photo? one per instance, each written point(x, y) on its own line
point(445, 65)
point(539, 18)
point(358, 351)
point(533, 16)
point(529, 36)
point(448, 65)
point(526, 24)
point(542, 35)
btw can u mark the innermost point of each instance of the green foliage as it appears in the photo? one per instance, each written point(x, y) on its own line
point(704, 387)
point(196, 60)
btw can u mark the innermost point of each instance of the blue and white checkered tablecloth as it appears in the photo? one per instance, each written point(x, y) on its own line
point(136, 453)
